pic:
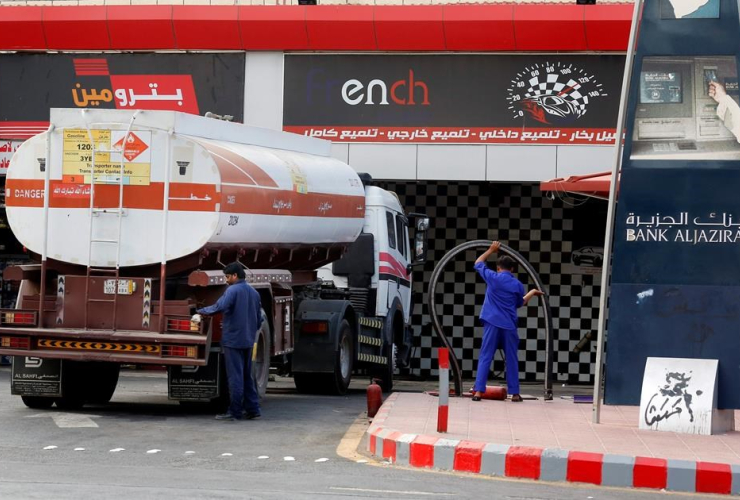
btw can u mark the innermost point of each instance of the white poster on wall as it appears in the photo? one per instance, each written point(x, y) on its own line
point(7, 148)
point(679, 395)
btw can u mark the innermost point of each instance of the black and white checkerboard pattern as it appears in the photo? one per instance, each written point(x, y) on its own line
point(540, 229)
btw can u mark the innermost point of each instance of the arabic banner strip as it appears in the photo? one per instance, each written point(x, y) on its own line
point(467, 135)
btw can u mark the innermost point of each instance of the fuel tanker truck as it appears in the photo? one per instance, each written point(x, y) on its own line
point(130, 217)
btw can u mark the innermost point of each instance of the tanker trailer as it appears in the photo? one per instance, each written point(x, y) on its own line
point(130, 216)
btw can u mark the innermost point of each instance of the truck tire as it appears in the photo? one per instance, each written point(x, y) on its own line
point(261, 357)
point(73, 382)
point(344, 361)
point(306, 383)
point(103, 379)
point(37, 403)
point(338, 381)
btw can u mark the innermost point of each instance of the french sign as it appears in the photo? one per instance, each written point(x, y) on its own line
point(537, 99)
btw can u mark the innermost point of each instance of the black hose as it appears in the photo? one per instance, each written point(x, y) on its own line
point(544, 303)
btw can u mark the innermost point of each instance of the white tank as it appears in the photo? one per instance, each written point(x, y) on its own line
point(229, 186)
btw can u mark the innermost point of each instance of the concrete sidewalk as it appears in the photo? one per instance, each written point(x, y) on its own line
point(554, 441)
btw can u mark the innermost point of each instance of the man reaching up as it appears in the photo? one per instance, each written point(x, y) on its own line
point(504, 295)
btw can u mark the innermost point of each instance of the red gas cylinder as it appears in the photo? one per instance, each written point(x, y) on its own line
point(494, 392)
point(374, 399)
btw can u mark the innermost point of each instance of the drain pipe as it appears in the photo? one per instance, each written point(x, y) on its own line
point(544, 304)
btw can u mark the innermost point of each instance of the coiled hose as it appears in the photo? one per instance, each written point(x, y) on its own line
point(544, 304)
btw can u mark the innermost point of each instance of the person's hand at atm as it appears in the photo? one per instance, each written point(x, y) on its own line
point(716, 91)
point(727, 110)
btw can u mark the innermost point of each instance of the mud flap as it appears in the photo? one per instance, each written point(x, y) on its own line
point(36, 377)
point(195, 383)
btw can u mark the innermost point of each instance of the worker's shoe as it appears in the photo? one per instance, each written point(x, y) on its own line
point(251, 416)
point(227, 417)
point(516, 398)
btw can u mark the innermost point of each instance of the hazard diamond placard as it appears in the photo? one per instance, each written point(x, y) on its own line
point(134, 146)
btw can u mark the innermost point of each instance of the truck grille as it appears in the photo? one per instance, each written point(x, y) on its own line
point(358, 297)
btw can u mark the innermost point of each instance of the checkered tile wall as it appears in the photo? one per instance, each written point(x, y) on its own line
point(542, 231)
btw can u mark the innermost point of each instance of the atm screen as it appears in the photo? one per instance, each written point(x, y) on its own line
point(660, 87)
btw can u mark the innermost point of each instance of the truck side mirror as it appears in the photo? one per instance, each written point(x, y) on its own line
point(421, 226)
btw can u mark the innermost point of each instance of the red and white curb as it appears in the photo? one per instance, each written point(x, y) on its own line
point(548, 464)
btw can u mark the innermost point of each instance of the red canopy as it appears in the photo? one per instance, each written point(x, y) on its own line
point(593, 185)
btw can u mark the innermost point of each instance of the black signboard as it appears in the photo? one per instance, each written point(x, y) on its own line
point(30, 84)
point(556, 99)
point(36, 377)
point(194, 383)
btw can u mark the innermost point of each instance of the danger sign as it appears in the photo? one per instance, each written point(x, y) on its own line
point(134, 146)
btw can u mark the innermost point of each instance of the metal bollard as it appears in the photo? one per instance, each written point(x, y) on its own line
point(443, 411)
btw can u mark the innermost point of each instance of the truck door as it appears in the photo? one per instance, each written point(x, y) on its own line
point(389, 275)
point(404, 284)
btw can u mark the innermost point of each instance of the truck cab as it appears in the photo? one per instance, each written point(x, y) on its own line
point(376, 274)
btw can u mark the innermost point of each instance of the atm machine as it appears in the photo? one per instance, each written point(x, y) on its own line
point(675, 117)
point(675, 291)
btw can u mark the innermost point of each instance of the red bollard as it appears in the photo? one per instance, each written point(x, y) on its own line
point(374, 399)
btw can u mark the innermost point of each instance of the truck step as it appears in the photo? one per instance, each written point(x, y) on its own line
point(103, 241)
point(371, 358)
point(364, 339)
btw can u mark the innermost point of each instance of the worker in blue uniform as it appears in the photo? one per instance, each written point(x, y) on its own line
point(504, 295)
point(242, 318)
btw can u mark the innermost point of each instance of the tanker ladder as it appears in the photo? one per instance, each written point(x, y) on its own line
point(98, 212)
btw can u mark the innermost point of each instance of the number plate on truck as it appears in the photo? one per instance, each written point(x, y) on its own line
point(125, 287)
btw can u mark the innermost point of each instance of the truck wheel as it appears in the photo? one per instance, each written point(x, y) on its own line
point(73, 382)
point(306, 383)
point(72, 402)
point(103, 379)
point(344, 360)
point(261, 358)
point(37, 403)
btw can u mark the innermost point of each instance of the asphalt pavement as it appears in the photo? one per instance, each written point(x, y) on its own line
point(142, 445)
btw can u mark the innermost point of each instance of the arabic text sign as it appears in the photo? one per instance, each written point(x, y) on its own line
point(30, 84)
point(679, 395)
point(158, 92)
point(7, 148)
point(453, 135)
point(77, 161)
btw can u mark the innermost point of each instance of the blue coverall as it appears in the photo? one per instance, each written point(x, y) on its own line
point(242, 317)
point(504, 295)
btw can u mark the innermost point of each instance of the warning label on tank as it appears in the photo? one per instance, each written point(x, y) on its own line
point(114, 162)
